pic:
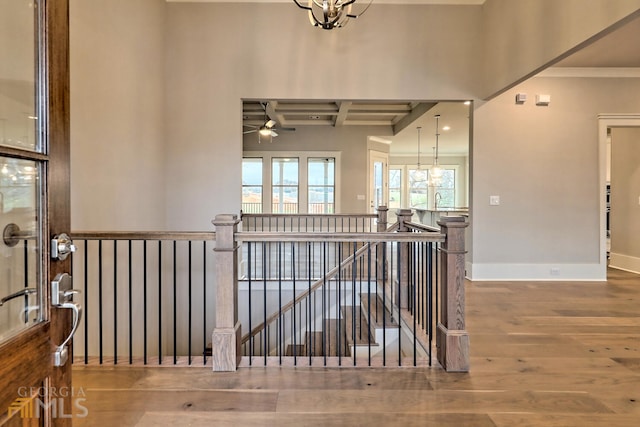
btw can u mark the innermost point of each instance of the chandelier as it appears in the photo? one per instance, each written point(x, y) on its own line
point(330, 14)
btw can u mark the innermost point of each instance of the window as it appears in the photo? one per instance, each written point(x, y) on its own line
point(418, 188)
point(284, 184)
point(445, 194)
point(252, 185)
point(321, 185)
point(395, 188)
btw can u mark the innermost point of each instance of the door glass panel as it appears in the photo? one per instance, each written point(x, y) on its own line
point(378, 171)
point(20, 248)
point(18, 111)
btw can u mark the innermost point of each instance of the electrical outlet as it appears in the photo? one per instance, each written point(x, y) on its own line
point(494, 200)
point(555, 271)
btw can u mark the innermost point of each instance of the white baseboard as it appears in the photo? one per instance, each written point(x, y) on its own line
point(624, 262)
point(541, 272)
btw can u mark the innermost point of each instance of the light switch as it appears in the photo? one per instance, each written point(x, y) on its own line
point(494, 200)
point(360, 197)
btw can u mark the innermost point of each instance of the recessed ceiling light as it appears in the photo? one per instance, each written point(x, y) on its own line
point(446, 127)
point(314, 117)
point(467, 102)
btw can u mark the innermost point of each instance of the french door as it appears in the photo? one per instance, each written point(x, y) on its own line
point(36, 296)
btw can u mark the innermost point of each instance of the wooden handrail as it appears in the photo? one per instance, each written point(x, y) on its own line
point(312, 215)
point(421, 227)
point(143, 235)
point(250, 236)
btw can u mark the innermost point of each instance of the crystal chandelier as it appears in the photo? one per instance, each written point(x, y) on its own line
point(330, 14)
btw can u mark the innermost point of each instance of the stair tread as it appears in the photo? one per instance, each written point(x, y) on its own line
point(379, 312)
point(361, 335)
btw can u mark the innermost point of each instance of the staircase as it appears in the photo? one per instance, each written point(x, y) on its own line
point(361, 332)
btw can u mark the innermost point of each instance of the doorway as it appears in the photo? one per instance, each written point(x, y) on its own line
point(621, 253)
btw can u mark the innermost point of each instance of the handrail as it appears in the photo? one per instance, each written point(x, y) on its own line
point(143, 235)
point(422, 227)
point(316, 215)
point(250, 236)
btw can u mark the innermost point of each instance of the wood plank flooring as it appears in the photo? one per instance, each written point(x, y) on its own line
point(543, 354)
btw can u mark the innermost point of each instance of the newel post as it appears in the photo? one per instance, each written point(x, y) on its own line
point(404, 216)
point(452, 339)
point(227, 336)
point(382, 218)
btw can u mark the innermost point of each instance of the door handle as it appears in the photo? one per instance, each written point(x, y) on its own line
point(21, 292)
point(61, 294)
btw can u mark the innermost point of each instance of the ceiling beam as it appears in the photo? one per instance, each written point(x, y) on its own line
point(343, 111)
point(417, 112)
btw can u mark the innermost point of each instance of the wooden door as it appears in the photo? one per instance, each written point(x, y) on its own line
point(34, 207)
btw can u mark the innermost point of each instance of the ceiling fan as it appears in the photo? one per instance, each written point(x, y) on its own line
point(267, 130)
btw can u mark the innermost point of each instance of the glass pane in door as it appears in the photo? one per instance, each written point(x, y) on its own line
point(20, 265)
point(18, 111)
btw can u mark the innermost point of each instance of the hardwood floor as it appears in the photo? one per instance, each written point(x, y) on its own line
point(543, 354)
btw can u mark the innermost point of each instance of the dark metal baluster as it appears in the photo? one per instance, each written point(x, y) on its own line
point(204, 302)
point(384, 298)
point(250, 274)
point(264, 300)
point(369, 298)
point(189, 319)
point(325, 328)
point(115, 302)
point(100, 298)
point(159, 302)
point(309, 317)
point(86, 301)
point(338, 303)
point(144, 298)
point(130, 308)
point(175, 306)
point(281, 324)
point(354, 270)
point(414, 296)
point(293, 271)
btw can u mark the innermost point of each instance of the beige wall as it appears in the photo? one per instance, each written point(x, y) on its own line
point(525, 36)
point(625, 198)
point(221, 53)
point(117, 114)
point(156, 110)
point(543, 162)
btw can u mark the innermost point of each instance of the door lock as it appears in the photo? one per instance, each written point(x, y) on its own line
point(61, 247)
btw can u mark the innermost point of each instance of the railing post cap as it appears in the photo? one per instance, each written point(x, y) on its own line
point(382, 208)
point(453, 221)
point(225, 219)
point(403, 212)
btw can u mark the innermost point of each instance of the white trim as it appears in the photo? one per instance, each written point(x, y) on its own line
point(624, 262)
point(380, 140)
point(591, 72)
point(538, 272)
point(605, 121)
